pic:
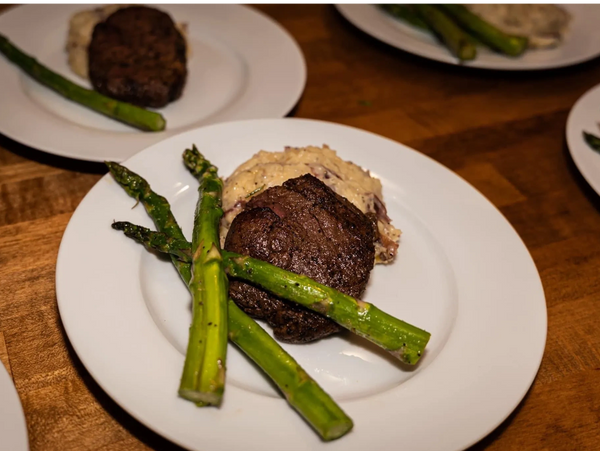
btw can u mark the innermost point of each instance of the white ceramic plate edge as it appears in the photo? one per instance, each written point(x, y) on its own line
point(579, 121)
point(13, 429)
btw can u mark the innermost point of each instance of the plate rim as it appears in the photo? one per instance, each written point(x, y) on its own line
point(574, 138)
point(283, 108)
point(497, 214)
point(346, 11)
point(16, 425)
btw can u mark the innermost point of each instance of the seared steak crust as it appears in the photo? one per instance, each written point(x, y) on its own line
point(137, 55)
point(303, 227)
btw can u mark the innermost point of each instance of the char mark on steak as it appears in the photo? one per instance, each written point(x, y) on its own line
point(137, 55)
point(303, 227)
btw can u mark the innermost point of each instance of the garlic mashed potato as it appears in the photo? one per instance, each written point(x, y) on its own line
point(267, 169)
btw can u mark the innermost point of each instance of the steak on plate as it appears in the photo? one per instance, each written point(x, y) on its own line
point(303, 227)
point(137, 55)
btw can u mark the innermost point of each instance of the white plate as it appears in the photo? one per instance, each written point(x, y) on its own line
point(462, 273)
point(243, 66)
point(581, 44)
point(585, 115)
point(13, 430)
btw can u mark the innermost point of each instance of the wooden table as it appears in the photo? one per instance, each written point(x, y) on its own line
point(503, 132)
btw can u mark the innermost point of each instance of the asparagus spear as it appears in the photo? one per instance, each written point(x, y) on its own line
point(203, 376)
point(406, 13)
point(487, 33)
point(180, 250)
point(592, 140)
point(156, 206)
point(121, 111)
point(159, 210)
point(457, 41)
point(409, 14)
point(404, 341)
point(300, 390)
point(195, 162)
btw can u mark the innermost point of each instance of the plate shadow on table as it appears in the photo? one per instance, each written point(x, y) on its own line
point(73, 164)
point(145, 435)
point(294, 110)
point(338, 21)
point(48, 159)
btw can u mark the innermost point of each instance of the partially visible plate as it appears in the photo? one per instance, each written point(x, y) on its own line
point(582, 43)
point(462, 273)
point(585, 116)
point(243, 66)
point(13, 430)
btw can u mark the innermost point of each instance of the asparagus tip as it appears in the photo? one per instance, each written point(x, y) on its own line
point(119, 225)
point(114, 167)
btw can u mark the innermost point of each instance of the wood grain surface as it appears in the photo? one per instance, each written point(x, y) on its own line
point(502, 132)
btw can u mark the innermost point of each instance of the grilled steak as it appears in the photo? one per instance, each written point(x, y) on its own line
point(137, 55)
point(303, 227)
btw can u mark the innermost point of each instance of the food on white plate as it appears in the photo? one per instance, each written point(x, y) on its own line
point(138, 56)
point(507, 29)
point(302, 226)
point(124, 112)
point(357, 185)
point(545, 26)
point(81, 27)
point(592, 141)
point(203, 261)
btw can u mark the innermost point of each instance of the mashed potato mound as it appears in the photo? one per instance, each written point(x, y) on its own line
point(267, 169)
